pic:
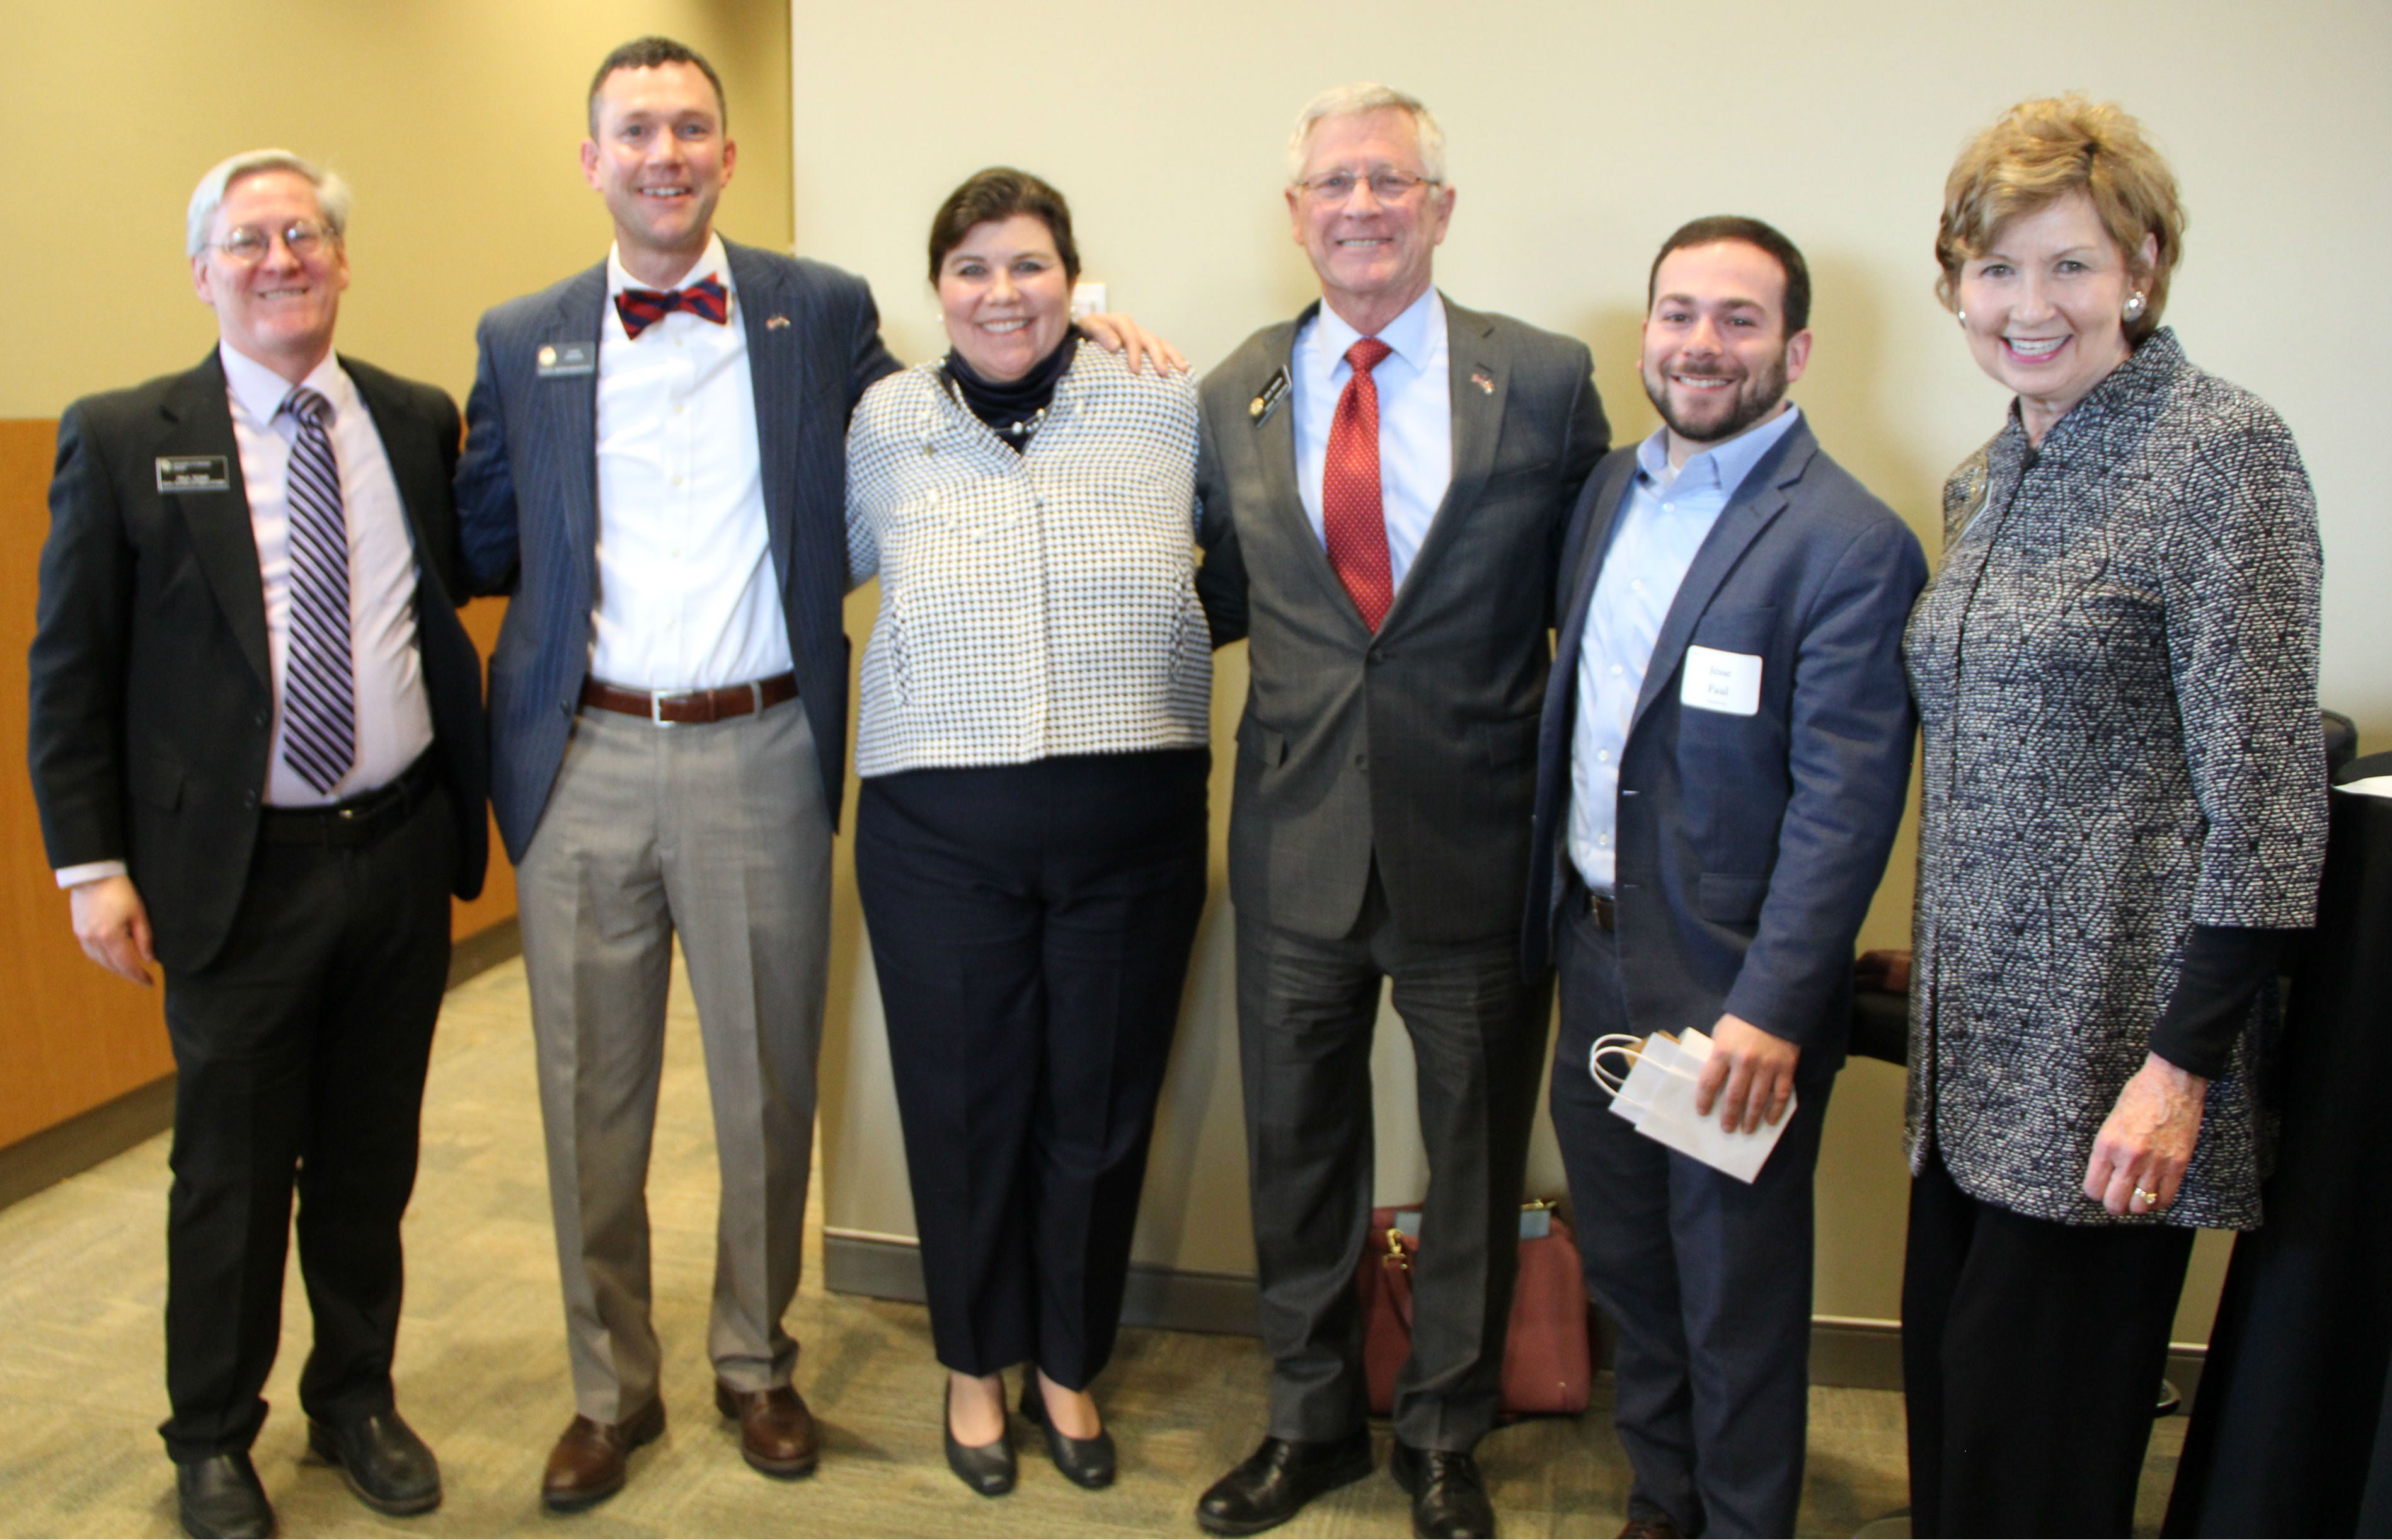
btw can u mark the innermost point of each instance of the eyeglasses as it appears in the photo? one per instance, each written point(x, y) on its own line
point(1387, 187)
point(247, 246)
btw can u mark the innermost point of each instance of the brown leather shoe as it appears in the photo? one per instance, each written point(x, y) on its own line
point(776, 1432)
point(586, 1466)
point(1651, 1528)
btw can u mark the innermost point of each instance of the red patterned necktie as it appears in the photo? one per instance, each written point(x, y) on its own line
point(1353, 522)
point(641, 308)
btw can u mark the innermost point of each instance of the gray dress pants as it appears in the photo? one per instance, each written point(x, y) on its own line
point(717, 833)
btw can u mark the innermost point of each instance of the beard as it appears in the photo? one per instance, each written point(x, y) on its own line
point(1754, 397)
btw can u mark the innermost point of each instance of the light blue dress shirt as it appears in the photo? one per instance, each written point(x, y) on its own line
point(1415, 418)
point(1662, 523)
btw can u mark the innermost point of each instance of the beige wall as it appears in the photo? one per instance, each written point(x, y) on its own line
point(457, 125)
point(1582, 133)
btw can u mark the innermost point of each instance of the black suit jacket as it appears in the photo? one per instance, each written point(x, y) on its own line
point(1414, 748)
point(152, 701)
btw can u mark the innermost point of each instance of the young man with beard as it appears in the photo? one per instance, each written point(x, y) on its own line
point(1725, 744)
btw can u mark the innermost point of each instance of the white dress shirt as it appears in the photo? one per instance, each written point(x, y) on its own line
point(394, 714)
point(687, 598)
point(1663, 523)
point(1415, 418)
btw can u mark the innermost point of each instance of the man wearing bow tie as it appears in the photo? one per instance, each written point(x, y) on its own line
point(257, 747)
point(655, 470)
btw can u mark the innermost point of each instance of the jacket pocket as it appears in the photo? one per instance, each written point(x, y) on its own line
point(158, 783)
point(1730, 901)
point(1266, 746)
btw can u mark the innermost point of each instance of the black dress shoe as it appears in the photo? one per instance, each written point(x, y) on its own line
point(1448, 1496)
point(1277, 1480)
point(381, 1459)
point(1084, 1462)
point(220, 1496)
point(987, 1469)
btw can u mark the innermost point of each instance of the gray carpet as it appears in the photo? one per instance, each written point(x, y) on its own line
point(482, 1373)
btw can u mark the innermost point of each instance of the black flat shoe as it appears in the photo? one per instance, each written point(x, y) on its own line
point(388, 1468)
point(1275, 1481)
point(220, 1496)
point(1449, 1494)
point(1084, 1462)
point(987, 1469)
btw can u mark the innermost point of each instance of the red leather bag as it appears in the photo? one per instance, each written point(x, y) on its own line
point(1548, 1356)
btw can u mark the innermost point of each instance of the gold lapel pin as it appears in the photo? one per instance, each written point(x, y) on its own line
point(776, 323)
point(1254, 408)
point(1480, 378)
point(548, 357)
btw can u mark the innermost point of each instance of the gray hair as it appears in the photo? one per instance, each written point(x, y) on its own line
point(331, 194)
point(1354, 100)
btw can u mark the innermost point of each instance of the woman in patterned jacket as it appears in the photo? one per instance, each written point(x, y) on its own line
point(1030, 838)
point(2123, 807)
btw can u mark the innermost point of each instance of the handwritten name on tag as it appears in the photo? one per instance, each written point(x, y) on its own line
point(193, 473)
point(1721, 681)
point(556, 359)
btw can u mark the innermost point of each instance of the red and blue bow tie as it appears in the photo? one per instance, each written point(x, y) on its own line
point(641, 308)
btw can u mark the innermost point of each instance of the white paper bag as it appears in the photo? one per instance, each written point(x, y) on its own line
point(1656, 1095)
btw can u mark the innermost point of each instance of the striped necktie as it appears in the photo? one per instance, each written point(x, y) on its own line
point(319, 720)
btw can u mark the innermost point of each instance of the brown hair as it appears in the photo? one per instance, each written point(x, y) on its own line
point(651, 53)
point(2041, 151)
point(1771, 241)
point(1001, 192)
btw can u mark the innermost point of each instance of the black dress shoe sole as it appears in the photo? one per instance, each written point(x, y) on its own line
point(1341, 1476)
point(323, 1450)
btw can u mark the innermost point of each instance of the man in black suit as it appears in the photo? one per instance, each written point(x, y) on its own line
point(258, 752)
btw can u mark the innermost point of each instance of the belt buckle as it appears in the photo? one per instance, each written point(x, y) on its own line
point(656, 709)
point(756, 693)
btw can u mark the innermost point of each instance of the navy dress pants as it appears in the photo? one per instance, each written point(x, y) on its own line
point(1031, 925)
point(1706, 1278)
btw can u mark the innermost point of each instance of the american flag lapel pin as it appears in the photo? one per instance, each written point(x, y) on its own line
point(776, 323)
point(1484, 380)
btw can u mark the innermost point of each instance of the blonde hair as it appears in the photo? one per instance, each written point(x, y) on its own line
point(2040, 152)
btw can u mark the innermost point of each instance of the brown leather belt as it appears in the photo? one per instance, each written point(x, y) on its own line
point(1602, 910)
point(682, 707)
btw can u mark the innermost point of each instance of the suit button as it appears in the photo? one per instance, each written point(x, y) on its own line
point(1361, 761)
point(566, 706)
point(260, 718)
point(249, 799)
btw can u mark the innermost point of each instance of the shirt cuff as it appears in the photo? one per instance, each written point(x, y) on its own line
point(90, 871)
point(2225, 967)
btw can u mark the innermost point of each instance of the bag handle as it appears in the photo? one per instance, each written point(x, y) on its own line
point(1625, 1045)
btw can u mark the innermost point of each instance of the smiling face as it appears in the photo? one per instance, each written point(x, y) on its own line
point(659, 157)
point(1717, 358)
point(1004, 296)
point(1374, 257)
point(278, 310)
point(2045, 306)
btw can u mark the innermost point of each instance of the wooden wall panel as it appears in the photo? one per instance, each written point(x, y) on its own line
point(72, 1036)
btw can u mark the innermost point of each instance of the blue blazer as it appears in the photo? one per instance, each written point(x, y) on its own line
point(1749, 848)
point(528, 499)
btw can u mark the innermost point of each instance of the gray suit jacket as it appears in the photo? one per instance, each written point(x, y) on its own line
point(1416, 747)
point(528, 498)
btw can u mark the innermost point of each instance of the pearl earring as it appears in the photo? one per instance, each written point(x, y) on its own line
point(2134, 304)
point(1961, 316)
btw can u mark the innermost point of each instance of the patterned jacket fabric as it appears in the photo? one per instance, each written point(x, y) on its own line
point(2115, 667)
point(1032, 604)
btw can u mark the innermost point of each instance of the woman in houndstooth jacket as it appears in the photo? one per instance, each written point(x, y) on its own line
point(1031, 833)
point(2122, 808)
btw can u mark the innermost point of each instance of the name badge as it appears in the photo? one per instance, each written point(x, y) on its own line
point(557, 360)
point(1721, 681)
point(193, 473)
point(1267, 400)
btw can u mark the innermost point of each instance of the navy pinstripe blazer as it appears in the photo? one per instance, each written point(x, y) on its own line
point(528, 499)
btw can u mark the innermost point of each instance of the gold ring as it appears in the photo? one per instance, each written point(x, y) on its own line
point(2148, 1197)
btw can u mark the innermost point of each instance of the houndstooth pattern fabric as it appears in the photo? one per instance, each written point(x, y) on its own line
point(2115, 667)
point(1032, 604)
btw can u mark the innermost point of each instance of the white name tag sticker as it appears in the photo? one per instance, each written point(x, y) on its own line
point(1721, 681)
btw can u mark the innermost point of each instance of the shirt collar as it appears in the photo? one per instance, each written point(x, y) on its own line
point(259, 392)
point(1722, 468)
point(1410, 335)
point(714, 261)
